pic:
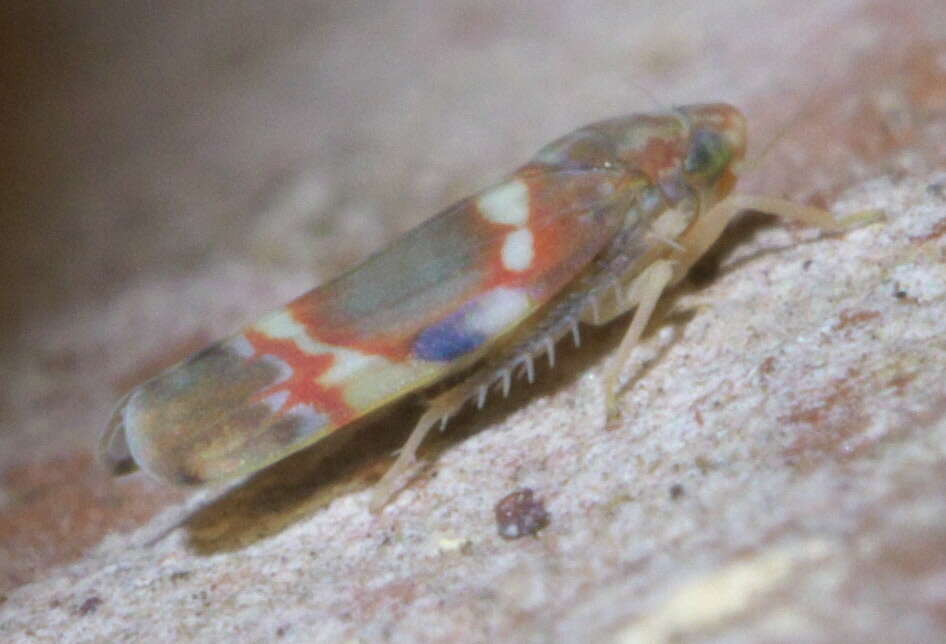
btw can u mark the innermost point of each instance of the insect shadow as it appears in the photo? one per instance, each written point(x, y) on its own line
point(295, 488)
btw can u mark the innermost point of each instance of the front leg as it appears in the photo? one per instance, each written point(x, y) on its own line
point(710, 225)
point(649, 285)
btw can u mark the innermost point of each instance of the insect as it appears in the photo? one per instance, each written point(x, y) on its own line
point(598, 223)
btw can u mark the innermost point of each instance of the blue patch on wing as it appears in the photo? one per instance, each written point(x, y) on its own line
point(447, 340)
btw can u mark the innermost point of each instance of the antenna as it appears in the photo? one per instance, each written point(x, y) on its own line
point(753, 162)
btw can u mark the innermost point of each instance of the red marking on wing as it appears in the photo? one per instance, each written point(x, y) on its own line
point(561, 244)
point(565, 238)
point(305, 310)
point(302, 385)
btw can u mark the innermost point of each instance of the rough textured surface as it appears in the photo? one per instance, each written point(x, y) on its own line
point(777, 474)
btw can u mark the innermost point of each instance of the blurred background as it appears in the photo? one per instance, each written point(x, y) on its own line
point(140, 139)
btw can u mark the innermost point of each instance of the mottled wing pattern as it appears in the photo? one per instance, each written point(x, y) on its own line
point(430, 304)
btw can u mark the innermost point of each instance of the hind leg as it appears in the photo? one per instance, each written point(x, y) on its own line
point(533, 338)
point(438, 410)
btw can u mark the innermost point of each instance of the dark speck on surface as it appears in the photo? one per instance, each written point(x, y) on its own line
point(519, 514)
point(89, 606)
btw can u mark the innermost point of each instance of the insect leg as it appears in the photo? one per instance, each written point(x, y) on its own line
point(390, 483)
point(535, 340)
point(646, 289)
point(709, 226)
point(532, 341)
point(645, 292)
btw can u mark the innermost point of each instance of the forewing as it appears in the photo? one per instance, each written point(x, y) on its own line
point(433, 302)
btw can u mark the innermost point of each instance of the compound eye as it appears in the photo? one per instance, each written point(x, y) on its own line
point(708, 156)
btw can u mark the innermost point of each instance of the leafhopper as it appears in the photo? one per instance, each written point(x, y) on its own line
point(600, 222)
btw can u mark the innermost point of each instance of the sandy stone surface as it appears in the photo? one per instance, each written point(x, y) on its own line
point(777, 473)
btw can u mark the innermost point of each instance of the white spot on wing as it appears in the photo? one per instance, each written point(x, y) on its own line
point(276, 401)
point(367, 380)
point(241, 346)
point(281, 325)
point(506, 204)
point(518, 250)
point(311, 421)
point(498, 310)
